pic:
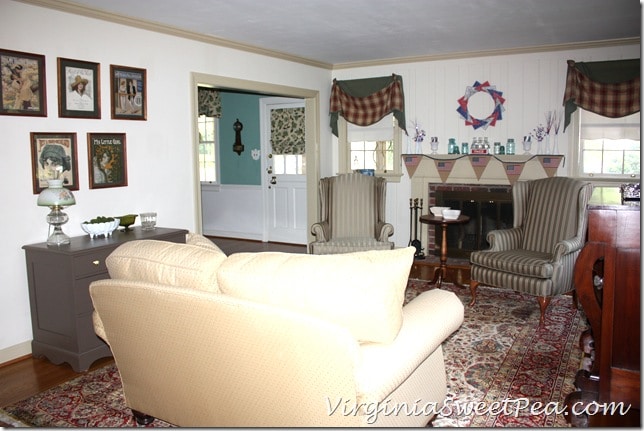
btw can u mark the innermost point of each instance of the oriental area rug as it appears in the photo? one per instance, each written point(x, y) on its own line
point(503, 370)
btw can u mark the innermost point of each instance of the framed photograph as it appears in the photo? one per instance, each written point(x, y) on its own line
point(79, 89)
point(53, 156)
point(128, 87)
point(107, 160)
point(23, 84)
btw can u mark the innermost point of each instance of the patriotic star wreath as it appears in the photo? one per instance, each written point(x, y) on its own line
point(497, 97)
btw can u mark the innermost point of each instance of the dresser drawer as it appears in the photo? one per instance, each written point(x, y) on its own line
point(86, 265)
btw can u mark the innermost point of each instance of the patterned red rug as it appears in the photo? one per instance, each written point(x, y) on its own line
point(499, 365)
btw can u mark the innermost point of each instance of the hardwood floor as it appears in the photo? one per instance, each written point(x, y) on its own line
point(28, 376)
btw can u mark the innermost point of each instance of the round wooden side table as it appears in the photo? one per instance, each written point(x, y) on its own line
point(441, 272)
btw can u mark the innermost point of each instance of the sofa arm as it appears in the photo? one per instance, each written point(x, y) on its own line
point(428, 320)
point(321, 231)
point(505, 239)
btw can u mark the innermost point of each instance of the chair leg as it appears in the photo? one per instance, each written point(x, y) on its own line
point(141, 418)
point(543, 304)
point(473, 285)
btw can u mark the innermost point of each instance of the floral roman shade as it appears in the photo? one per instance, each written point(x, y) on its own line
point(209, 102)
point(607, 88)
point(287, 131)
point(366, 101)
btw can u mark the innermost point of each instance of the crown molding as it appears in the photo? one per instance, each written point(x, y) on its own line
point(493, 52)
point(74, 8)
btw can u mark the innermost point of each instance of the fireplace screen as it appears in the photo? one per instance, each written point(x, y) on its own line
point(488, 210)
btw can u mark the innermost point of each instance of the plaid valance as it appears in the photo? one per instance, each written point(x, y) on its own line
point(209, 102)
point(365, 101)
point(607, 88)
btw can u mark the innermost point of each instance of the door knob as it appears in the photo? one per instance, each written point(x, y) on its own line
point(273, 180)
point(269, 170)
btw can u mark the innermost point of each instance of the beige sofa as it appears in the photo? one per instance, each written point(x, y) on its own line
point(273, 339)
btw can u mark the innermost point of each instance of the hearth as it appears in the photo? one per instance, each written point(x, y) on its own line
point(488, 206)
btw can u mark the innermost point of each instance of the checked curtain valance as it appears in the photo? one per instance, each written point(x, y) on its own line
point(607, 88)
point(364, 102)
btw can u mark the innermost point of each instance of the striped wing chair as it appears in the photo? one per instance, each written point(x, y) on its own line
point(352, 215)
point(537, 255)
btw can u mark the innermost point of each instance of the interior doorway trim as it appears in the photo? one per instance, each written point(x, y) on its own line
point(312, 133)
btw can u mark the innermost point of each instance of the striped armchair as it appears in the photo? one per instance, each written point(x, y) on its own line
point(537, 256)
point(352, 215)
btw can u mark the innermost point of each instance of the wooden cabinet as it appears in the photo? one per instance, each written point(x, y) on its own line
point(607, 283)
point(61, 308)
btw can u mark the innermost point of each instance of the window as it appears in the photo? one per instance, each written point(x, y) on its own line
point(374, 147)
point(288, 164)
point(208, 148)
point(608, 147)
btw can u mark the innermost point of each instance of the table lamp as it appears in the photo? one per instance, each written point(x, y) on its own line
point(56, 197)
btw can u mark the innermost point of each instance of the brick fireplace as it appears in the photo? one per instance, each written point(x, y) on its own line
point(489, 207)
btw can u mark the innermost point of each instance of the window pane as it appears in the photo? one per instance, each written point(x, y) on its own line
point(610, 147)
point(207, 149)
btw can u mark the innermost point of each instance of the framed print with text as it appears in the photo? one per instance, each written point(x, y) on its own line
point(23, 84)
point(53, 156)
point(107, 160)
point(128, 87)
point(79, 89)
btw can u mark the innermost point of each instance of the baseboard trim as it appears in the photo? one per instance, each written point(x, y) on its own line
point(16, 352)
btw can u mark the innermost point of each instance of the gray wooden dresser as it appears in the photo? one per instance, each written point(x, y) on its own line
point(61, 308)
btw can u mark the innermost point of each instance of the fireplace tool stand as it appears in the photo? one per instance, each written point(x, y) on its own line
point(413, 221)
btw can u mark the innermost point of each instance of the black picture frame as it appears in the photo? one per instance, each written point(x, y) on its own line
point(23, 89)
point(107, 160)
point(79, 89)
point(54, 156)
point(128, 88)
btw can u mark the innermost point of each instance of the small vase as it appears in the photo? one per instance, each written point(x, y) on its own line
point(419, 147)
point(555, 147)
point(547, 148)
point(527, 145)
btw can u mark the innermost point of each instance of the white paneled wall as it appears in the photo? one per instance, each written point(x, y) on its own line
point(532, 84)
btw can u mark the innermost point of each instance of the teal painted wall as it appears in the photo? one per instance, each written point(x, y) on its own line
point(239, 169)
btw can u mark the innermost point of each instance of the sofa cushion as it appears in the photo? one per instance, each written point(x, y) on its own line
point(362, 291)
point(200, 240)
point(169, 263)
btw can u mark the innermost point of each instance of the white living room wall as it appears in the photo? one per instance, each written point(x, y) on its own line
point(160, 151)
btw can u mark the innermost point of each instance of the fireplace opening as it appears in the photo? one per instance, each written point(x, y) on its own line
point(489, 208)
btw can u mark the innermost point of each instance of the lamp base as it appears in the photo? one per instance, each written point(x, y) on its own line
point(56, 218)
point(58, 237)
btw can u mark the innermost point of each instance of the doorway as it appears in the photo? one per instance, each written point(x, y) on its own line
point(283, 174)
point(312, 127)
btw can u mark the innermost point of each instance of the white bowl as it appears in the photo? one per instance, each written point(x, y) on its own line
point(438, 211)
point(451, 214)
point(96, 229)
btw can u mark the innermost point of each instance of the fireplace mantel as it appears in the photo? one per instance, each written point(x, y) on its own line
point(475, 169)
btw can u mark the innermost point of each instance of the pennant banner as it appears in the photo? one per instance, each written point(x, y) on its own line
point(550, 164)
point(512, 171)
point(444, 168)
point(479, 163)
point(411, 163)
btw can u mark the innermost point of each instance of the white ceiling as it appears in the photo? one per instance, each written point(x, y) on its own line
point(349, 31)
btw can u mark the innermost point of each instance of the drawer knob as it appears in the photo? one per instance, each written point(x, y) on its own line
point(96, 262)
